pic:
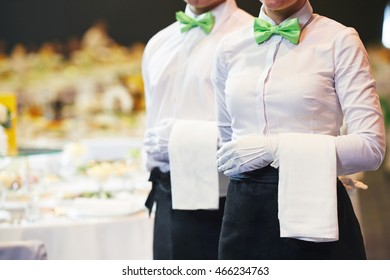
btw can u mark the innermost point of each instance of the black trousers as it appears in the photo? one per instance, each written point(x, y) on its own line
point(182, 234)
point(250, 228)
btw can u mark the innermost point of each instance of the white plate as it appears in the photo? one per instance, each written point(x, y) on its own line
point(4, 216)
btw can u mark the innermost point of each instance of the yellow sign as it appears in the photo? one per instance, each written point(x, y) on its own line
point(10, 102)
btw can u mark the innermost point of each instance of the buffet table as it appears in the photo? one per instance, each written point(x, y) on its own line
point(97, 213)
point(75, 223)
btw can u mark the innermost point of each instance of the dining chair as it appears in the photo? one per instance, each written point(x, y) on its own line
point(23, 250)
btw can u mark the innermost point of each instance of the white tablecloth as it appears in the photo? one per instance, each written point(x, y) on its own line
point(118, 238)
point(126, 234)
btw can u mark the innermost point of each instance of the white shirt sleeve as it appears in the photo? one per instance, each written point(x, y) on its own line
point(218, 79)
point(363, 147)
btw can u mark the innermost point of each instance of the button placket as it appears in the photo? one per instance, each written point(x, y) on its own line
point(273, 47)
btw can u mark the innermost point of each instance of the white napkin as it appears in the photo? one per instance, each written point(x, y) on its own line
point(307, 187)
point(192, 152)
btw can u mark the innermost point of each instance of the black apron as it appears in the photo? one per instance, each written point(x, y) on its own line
point(250, 228)
point(182, 234)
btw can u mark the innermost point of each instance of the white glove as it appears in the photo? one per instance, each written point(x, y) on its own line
point(247, 153)
point(157, 138)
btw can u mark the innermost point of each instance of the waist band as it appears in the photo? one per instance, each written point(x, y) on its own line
point(266, 174)
point(161, 186)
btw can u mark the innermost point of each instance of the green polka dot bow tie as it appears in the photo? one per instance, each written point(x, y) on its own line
point(206, 23)
point(289, 30)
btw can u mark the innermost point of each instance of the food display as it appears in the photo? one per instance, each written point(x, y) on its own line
point(92, 89)
point(71, 124)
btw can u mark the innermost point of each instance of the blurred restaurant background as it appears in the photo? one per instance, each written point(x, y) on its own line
point(72, 114)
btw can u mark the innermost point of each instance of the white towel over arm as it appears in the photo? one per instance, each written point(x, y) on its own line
point(192, 157)
point(307, 187)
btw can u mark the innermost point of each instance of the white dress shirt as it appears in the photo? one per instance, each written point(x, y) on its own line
point(177, 69)
point(314, 87)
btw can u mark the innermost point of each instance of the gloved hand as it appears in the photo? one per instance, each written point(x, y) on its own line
point(247, 153)
point(157, 139)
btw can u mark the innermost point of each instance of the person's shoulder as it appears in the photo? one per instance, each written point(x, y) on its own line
point(242, 16)
point(159, 39)
point(330, 24)
point(243, 20)
point(240, 38)
point(236, 20)
point(164, 33)
point(240, 33)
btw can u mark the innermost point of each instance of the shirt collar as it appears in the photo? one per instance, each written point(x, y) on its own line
point(303, 15)
point(220, 12)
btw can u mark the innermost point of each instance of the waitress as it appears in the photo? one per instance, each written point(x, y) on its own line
point(285, 85)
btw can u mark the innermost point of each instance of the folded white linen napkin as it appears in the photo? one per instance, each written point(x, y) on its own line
point(192, 152)
point(307, 187)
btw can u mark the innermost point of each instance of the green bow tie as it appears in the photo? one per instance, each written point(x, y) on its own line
point(289, 30)
point(206, 23)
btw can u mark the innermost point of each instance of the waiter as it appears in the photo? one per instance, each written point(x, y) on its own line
point(181, 137)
